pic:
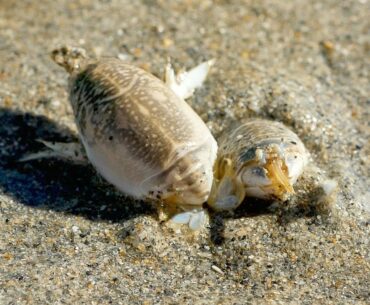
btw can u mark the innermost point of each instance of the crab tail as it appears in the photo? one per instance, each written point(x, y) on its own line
point(70, 58)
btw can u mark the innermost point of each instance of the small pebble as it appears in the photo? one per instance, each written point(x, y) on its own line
point(216, 269)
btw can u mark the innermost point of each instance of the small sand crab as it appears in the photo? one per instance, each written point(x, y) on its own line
point(261, 159)
point(139, 133)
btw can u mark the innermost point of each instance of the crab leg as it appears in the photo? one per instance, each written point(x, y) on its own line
point(184, 83)
point(73, 151)
point(227, 193)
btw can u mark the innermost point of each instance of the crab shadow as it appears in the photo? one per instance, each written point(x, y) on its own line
point(284, 213)
point(250, 208)
point(55, 184)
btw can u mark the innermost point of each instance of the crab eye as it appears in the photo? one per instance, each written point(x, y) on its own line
point(255, 176)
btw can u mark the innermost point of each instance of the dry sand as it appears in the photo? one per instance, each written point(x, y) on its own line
point(67, 237)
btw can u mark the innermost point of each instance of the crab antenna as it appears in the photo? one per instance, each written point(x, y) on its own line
point(279, 177)
point(70, 58)
point(278, 172)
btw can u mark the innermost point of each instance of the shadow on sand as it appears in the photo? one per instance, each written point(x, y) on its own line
point(251, 208)
point(51, 183)
point(301, 206)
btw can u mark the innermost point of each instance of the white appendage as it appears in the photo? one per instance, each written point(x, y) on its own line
point(184, 83)
point(195, 219)
point(73, 151)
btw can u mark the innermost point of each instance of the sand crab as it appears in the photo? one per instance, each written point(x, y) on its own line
point(139, 133)
point(259, 158)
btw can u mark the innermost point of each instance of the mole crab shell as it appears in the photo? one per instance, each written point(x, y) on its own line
point(259, 158)
point(139, 135)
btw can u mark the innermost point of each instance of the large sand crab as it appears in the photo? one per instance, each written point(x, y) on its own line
point(139, 133)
